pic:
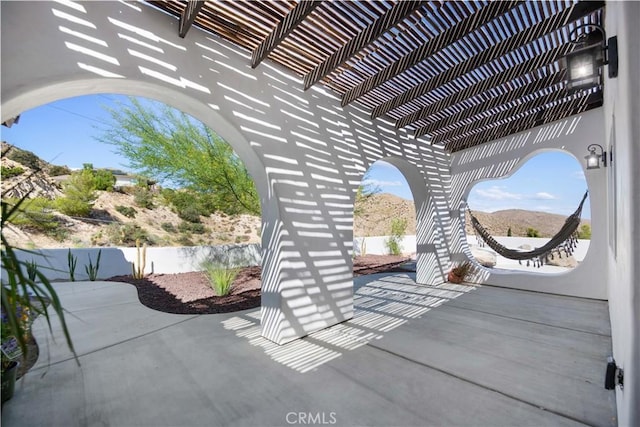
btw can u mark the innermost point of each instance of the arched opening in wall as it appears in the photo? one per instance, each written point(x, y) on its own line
point(527, 210)
point(384, 226)
point(120, 172)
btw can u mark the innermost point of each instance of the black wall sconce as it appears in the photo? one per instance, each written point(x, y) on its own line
point(583, 65)
point(596, 153)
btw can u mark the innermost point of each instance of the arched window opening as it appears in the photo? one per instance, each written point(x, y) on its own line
point(526, 210)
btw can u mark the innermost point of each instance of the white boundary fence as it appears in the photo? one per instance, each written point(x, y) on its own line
point(118, 261)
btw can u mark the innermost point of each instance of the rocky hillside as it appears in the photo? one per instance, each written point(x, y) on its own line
point(380, 209)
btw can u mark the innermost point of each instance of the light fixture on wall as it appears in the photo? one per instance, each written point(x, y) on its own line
point(583, 65)
point(594, 157)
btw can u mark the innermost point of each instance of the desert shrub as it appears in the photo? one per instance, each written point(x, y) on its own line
point(191, 227)
point(79, 194)
point(184, 240)
point(104, 179)
point(190, 214)
point(189, 205)
point(127, 211)
point(394, 241)
point(25, 158)
point(55, 170)
point(585, 232)
point(143, 197)
point(34, 214)
point(11, 171)
point(168, 227)
point(532, 232)
point(509, 232)
point(127, 234)
point(220, 276)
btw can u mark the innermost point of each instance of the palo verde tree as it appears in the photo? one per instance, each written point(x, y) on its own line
point(169, 146)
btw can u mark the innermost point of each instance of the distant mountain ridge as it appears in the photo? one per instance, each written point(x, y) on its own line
point(380, 209)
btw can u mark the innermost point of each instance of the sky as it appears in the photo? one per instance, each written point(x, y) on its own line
point(63, 133)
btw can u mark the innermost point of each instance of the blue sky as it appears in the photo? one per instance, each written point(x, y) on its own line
point(63, 133)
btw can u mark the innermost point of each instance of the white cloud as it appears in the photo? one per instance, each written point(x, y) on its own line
point(578, 175)
point(496, 193)
point(544, 196)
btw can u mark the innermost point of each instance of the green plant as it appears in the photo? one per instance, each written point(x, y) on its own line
point(143, 197)
point(34, 215)
point(92, 270)
point(168, 227)
point(72, 260)
point(190, 214)
point(22, 297)
point(509, 232)
point(11, 171)
point(394, 241)
point(127, 211)
point(460, 271)
point(79, 194)
point(191, 227)
point(32, 270)
point(220, 276)
point(532, 232)
point(585, 232)
point(127, 234)
point(55, 170)
point(104, 179)
point(24, 157)
point(141, 256)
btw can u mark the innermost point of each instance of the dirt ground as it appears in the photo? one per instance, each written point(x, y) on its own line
point(190, 293)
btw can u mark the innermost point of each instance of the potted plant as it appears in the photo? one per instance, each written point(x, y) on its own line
point(460, 272)
point(11, 352)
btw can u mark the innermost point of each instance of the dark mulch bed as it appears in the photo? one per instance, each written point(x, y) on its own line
point(190, 293)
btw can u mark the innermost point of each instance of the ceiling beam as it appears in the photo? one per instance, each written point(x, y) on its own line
point(488, 101)
point(392, 17)
point(428, 48)
point(282, 30)
point(188, 16)
point(510, 44)
point(508, 112)
point(577, 105)
point(484, 85)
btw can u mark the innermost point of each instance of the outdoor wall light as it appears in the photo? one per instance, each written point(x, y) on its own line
point(583, 65)
point(593, 159)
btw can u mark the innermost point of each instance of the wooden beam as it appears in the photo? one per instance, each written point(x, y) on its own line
point(392, 17)
point(282, 30)
point(188, 16)
point(489, 101)
point(484, 85)
point(512, 43)
point(428, 48)
point(578, 104)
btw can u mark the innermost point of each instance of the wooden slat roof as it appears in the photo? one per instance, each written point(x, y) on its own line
point(459, 73)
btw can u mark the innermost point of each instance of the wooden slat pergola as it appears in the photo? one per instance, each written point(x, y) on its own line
point(461, 73)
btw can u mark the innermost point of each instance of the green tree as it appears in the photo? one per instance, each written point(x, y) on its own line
point(104, 179)
point(532, 232)
point(168, 145)
point(585, 232)
point(79, 194)
point(394, 241)
point(509, 232)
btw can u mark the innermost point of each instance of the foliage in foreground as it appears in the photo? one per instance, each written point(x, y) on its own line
point(168, 145)
point(394, 241)
point(220, 275)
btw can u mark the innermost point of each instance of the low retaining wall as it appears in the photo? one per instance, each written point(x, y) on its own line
point(118, 261)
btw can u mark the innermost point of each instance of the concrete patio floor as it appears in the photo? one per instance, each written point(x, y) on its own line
point(450, 355)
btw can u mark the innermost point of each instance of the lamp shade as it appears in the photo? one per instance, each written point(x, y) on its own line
point(583, 67)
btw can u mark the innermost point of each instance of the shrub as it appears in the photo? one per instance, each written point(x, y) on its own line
point(585, 232)
point(168, 227)
point(220, 276)
point(394, 241)
point(79, 194)
point(190, 227)
point(532, 232)
point(127, 211)
point(104, 179)
point(185, 241)
point(190, 214)
point(55, 170)
point(143, 197)
point(11, 171)
point(509, 232)
point(34, 215)
point(127, 234)
point(24, 157)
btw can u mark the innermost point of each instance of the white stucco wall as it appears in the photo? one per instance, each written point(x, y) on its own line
point(502, 158)
point(622, 133)
point(305, 153)
point(54, 264)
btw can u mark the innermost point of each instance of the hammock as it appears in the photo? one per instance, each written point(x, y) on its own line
point(564, 242)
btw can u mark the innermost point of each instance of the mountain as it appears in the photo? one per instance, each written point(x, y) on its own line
point(379, 210)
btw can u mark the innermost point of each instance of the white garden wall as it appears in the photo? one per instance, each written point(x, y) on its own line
point(118, 261)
